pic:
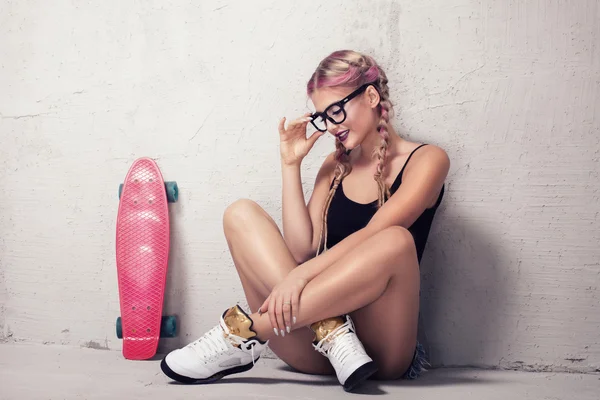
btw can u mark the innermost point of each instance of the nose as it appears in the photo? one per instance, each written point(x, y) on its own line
point(333, 128)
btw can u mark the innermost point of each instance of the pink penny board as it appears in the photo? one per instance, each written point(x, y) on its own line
point(142, 256)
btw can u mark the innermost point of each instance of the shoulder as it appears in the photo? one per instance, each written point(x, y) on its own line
point(328, 166)
point(326, 170)
point(430, 161)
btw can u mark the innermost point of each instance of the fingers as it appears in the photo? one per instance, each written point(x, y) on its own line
point(295, 305)
point(282, 125)
point(282, 305)
point(287, 316)
point(300, 122)
point(305, 119)
point(275, 308)
point(265, 306)
point(279, 316)
point(272, 315)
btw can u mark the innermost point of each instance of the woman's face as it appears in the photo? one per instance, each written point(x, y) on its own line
point(361, 113)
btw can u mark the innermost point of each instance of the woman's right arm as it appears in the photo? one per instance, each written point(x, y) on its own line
point(298, 217)
point(297, 226)
point(301, 221)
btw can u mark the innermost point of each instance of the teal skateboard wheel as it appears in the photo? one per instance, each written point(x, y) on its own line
point(172, 192)
point(168, 327)
point(119, 328)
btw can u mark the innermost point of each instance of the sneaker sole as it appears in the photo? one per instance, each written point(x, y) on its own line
point(219, 375)
point(361, 374)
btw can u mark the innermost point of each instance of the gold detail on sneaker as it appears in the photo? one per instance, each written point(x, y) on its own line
point(238, 323)
point(325, 327)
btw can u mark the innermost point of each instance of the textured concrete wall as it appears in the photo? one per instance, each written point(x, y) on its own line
point(509, 88)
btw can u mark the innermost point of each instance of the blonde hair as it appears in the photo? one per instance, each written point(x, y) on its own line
point(347, 68)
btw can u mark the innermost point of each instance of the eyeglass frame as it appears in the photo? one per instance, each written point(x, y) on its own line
point(341, 103)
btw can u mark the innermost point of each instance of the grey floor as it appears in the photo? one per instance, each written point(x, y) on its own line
point(56, 372)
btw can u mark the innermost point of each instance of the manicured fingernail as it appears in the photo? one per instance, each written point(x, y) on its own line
point(294, 320)
point(288, 329)
point(275, 330)
point(282, 333)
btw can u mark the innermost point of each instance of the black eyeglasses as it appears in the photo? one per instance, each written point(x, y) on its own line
point(335, 113)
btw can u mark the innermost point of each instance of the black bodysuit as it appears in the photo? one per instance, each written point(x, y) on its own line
point(346, 216)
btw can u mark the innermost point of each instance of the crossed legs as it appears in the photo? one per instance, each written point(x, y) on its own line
point(377, 283)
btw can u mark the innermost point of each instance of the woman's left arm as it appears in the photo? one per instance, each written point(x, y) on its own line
point(422, 181)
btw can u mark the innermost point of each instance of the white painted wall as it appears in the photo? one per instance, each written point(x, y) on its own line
point(510, 89)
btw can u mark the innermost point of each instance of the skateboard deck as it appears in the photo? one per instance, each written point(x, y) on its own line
point(142, 247)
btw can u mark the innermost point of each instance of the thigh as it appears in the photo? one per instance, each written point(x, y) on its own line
point(269, 262)
point(257, 247)
point(388, 326)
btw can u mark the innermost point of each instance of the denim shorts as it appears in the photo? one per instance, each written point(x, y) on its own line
point(418, 364)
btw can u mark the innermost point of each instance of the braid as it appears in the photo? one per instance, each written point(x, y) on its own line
point(342, 169)
point(381, 153)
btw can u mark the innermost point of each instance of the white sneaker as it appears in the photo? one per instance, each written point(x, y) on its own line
point(228, 348)
point(338, 342)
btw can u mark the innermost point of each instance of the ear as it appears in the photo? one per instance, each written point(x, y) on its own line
point(373, 96)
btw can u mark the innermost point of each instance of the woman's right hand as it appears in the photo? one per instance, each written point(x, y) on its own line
point(294, 145)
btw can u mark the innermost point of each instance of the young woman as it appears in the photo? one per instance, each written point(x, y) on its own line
point(347, 265)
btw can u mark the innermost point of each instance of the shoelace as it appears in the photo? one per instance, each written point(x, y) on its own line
point(217, 340)
point(210, 344)
point(340, 342)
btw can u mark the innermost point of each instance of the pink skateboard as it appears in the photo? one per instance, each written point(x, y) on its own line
point(142, 256)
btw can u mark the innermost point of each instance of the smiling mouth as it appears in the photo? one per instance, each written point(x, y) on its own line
point(342, 135)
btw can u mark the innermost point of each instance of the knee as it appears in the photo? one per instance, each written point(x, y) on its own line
point(240, 213)
point(397, 240)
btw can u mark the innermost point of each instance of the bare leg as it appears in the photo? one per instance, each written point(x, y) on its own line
point(262, 260)
point(378, 281)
